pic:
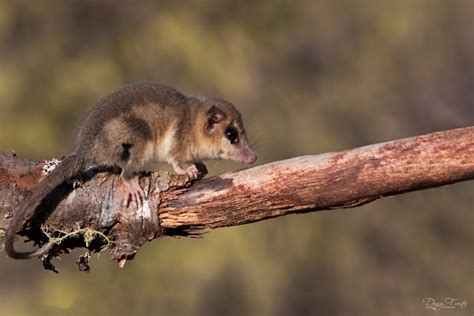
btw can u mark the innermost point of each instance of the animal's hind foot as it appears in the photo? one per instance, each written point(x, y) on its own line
point(134, 194)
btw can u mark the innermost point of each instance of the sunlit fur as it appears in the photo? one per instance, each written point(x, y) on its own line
point(212, 143)
point(136, 125)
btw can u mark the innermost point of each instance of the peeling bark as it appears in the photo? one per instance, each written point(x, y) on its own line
point(177, 207)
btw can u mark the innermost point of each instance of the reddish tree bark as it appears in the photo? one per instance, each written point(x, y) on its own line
point(177, 207)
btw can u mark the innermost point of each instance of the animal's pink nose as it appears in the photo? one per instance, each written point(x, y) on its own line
point(251, 157)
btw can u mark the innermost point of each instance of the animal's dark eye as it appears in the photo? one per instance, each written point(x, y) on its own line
point(232, 134)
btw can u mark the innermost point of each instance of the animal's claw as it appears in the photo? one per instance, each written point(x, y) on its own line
point(134, 194)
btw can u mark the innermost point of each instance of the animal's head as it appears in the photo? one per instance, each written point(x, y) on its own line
point(224, 130)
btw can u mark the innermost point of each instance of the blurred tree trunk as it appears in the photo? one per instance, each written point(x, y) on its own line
point(177, 207)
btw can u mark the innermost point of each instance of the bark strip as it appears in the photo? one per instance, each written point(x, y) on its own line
point(177, 207)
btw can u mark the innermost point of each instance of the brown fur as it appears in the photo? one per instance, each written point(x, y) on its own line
point(136, 125)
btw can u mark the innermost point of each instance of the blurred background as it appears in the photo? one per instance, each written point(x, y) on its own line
point(309, 77)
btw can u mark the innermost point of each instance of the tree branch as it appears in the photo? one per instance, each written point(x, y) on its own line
point(176, 207)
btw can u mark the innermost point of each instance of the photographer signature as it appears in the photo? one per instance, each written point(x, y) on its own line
point(448, 303)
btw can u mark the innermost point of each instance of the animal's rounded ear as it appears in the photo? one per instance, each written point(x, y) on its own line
point(213, 117)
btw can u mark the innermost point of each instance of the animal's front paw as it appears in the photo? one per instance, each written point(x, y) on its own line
point(192, 172)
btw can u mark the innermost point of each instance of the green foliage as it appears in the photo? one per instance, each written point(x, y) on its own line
point(309, 77)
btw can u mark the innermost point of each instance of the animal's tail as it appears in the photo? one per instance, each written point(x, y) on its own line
point(68, 168)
